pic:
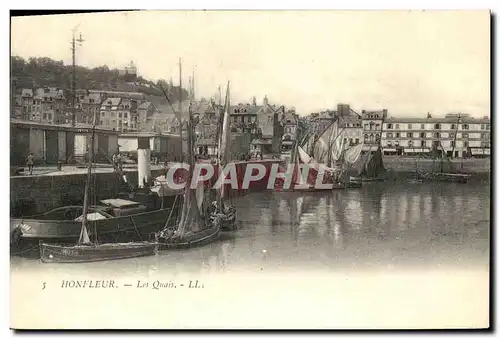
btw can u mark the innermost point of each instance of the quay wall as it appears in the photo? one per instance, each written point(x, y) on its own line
point(37, 194)
point(408, 164)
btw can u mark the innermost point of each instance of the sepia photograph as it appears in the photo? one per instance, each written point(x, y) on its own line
point(250, 169)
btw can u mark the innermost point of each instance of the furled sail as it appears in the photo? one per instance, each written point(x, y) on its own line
point(323, 146)
point(224, 139)
point(337, 146)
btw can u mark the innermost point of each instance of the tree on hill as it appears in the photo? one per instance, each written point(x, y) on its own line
point(40, 72)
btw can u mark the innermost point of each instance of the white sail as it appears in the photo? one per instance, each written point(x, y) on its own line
point(303, 156)
point(337, 146)
point(352, 154)
point(323, 145)
point(84, 236)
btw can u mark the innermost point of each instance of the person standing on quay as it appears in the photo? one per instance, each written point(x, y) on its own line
point(30, 161)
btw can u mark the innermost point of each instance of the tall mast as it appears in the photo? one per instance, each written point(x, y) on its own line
point(84, 237)
point(73, 80)
point(180, 108)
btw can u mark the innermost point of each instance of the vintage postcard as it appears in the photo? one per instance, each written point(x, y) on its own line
point(250, 170)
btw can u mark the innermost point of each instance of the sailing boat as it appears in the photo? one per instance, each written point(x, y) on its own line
point(85, 250)
point(224, 211)
point(442, 175)
point(195, 225)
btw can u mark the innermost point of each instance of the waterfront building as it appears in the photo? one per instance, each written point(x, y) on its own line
point(51, 143)
point(372, 122)
point(457, 135)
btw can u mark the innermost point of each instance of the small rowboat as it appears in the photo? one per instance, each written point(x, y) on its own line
point(52, 253)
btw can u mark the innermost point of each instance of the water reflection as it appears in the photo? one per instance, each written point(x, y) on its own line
point(379, 224)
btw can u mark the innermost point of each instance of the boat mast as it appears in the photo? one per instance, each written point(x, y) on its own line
point(84, 237)
point(180, 108)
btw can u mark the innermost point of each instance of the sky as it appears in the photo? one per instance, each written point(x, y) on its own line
point(409, 62)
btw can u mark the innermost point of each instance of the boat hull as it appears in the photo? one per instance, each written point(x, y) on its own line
point(26, 234)
point(51, 253)
point(444, 177)
point(191, 239)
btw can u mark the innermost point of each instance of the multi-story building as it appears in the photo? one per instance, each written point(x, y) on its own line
point(144, 112)
point(207, 128)
point(243, 118)
point(127, 115)
point(88, 105)
point(289, 122)
point(372, 126)
point(109, 113)
point(456, 135)
point(350, 123)
point(44, 105)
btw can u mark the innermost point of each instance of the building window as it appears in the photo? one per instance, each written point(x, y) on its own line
point(422, 126)
point(398, 135)
point(465, 135)
point(466, 144)
point(372, 138)
point(410, 135)
point(366, 137)
point(397, 126)
point(389, 135)
point(487, 127)
point(366, 127)
point(389, 143)
point(437, 135)
point(437, 126)
point(409, 126)
point(410, 144)
point(377, 127)
point(357, 141)
point(377, 137)
point(389, 126)
point(453, 126)
point(452, 143)
point(465, 126)
point(422, 142)
point(422, 135)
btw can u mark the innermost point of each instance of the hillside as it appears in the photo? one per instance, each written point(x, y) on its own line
point(39, 72)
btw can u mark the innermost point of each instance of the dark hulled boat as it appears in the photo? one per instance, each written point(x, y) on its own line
point(53, 253)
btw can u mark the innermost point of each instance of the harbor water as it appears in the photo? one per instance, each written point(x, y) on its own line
point(380, 225)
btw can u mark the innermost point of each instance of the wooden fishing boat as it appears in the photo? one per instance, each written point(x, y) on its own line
point(190, 238)
point(117, 220)
point(441, 174)
point(85, 250)
point(195, 225)
point(53, 253)
point(461, 178)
